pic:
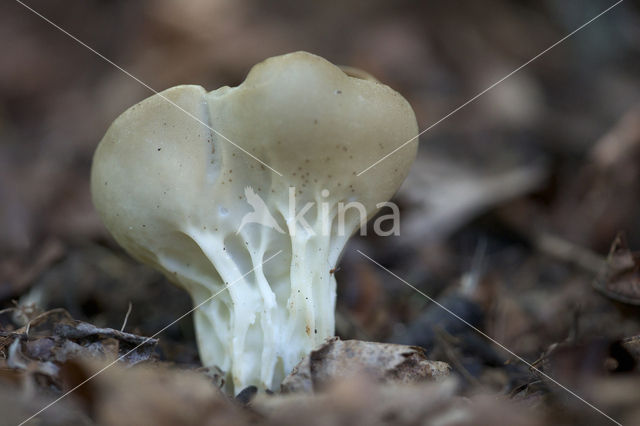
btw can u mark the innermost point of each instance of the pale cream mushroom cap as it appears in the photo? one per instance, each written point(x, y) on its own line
point(172, 193)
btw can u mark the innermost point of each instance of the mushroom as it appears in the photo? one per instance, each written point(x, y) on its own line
point(174, 192)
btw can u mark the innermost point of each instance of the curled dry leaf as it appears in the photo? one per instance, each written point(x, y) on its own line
point(67, 337)
point(384, 362)
point(131, 347)
point(53, 338)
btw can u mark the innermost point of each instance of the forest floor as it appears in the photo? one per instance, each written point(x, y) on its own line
point(520, 215)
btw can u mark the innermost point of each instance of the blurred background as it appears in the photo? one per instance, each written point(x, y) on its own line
point(508, 215)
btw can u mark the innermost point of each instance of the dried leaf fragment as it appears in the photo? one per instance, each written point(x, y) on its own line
point(383, 362)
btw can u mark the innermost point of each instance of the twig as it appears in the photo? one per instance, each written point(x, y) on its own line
point(126, 317)
point(569, 252)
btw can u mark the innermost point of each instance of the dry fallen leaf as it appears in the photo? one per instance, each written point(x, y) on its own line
point(53, 338)
point(359, 400)
point(159, 396)
point(384, 362)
